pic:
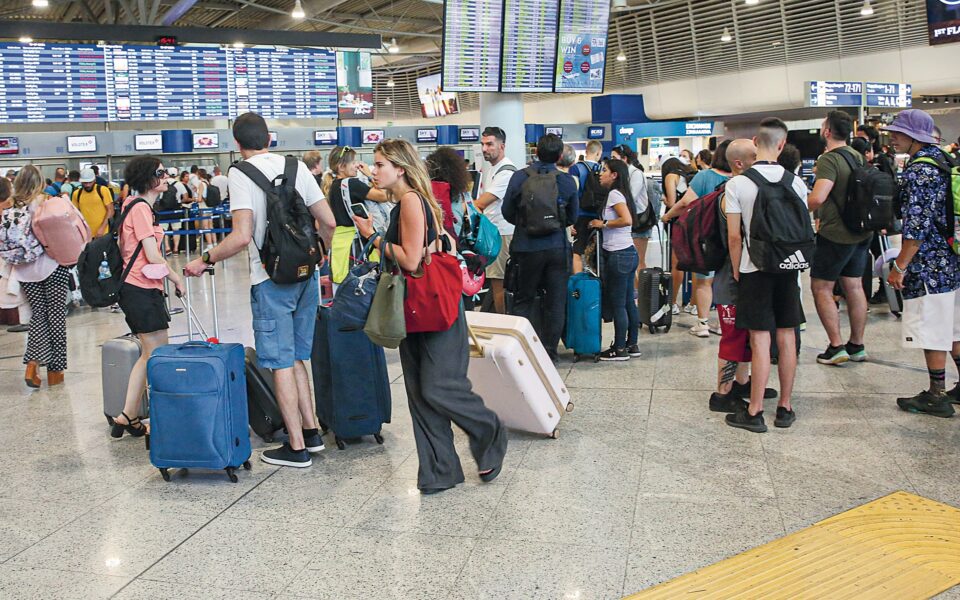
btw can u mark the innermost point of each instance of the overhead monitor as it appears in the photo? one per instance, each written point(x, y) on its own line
point(434, 101)
point(81, 143)
point(283, 83)
point(889, 95)
point(206, 141)
point(595, 133)
point(354, 85)
point(943, 21)
point(529, 45)
point(472, 35)
point(823, 94)
point(469, 134)
point(9, 145)
point(582, 46)
point(557, 131)
point(325, 137)
point(427, 136)
point(372, 136)
point(147, 142)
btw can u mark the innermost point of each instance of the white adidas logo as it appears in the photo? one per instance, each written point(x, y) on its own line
point(794, 262)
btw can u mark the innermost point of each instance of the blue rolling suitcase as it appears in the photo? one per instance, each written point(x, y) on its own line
point(350, 381)
point(582, 332)
point(198, 404)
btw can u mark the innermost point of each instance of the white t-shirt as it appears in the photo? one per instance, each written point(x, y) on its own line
point(181, 191)
point(245, 195)
point(638, 188)
point(741, 194)
point(496, 184)
point(222, 183)
point(615, 238)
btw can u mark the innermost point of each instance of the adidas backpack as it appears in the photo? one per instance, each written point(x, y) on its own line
point(781, 236)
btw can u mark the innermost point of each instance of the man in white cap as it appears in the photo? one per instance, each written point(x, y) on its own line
point(927, 270)
point(95, 202)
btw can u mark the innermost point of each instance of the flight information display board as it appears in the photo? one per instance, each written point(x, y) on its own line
point(835, 93)
point(529, 45)
point(889, 95)
point(166, 83)
point(52, 82)
point(472, 34)
point(582, 46)
point(283, 83)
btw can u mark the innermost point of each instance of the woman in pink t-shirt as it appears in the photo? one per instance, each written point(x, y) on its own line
point(141, 295)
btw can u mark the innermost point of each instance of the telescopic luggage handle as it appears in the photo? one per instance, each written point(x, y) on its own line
point(192, 318)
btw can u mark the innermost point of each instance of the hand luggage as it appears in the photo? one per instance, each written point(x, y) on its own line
point(198, 403)
point(655, 291)
point(117, 359)
point(582, 331)
point(511, 370)
point(265, 417)
point(894, 297)
point(350, 381)
point(61, 229)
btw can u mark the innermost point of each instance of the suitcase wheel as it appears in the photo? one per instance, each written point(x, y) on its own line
point(232, 474)
point(667, 328)
point(555, 435)
point(246, 465)
point(576, 358)
point(895, 313)
point(596, 358)
point(165, 474)
point(653, 329)
point(569, 407)
point(340, 444)
point(378, 437)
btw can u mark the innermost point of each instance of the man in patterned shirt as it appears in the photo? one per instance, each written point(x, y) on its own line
point(927, 270)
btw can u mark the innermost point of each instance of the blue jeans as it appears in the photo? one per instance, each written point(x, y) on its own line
point(620, 268)
point(284, 317)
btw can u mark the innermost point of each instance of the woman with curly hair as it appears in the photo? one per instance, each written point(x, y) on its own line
point(451, 184)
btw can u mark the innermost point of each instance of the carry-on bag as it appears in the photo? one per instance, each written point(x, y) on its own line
point(655, 291)
point(582, 332)
point(894, 296)
point(350, 381)
point(117, 357)
point(511, 370)
point(62, 230)
point(198, 402)
point(265, 417)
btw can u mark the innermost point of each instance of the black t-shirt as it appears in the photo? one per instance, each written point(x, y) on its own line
point(358, 193)
point(393, 232)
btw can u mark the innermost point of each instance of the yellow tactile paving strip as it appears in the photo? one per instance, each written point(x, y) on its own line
point(901, 546)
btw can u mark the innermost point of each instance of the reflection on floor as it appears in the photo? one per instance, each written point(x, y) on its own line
point(644, 484)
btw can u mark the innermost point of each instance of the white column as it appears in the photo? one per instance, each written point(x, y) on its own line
point(506, 112)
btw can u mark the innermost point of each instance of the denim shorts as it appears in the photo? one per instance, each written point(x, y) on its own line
point(284, 317)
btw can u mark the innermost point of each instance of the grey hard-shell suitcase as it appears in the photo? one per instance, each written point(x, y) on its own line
point(117, 359)
point(655, 291)
point(894, 297)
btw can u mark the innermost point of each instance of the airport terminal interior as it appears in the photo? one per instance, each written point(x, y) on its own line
point(638, 486)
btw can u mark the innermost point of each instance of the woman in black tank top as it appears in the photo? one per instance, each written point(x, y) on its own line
point(434, 363)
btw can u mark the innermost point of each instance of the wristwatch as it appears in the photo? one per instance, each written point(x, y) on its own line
point(205, 257)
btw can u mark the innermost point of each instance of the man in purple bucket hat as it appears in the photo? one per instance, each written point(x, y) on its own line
point(927, 270)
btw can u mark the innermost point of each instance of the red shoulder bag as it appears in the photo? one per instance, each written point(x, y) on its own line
point(433, 290)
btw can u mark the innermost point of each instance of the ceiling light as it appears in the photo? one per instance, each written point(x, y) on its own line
point(388, 102)
point(41, 3)
point(26, 39)
point(618, 5)
point(238, 44)
point(621, 56)
point(867, 9)
point(391, 82)
point(751, 2)
point(393, 48)
point(297, 12)
point(946, 100)
point(726, 37)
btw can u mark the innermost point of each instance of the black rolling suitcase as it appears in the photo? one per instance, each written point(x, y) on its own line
point(655, 291)
point(265, 417)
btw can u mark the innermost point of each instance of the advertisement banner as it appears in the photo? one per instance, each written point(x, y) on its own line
point(434, 101)
point(943, 21)
point(354, 85)
point(582, 46)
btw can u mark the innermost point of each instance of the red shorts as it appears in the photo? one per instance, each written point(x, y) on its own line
point(734, 343)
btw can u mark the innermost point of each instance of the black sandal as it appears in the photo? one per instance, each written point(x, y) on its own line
point(133, 427)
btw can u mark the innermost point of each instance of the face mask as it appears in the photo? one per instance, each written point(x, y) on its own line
point(685, 160)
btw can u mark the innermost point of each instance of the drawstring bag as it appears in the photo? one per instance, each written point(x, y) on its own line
point(386, 325)
point(434, 289)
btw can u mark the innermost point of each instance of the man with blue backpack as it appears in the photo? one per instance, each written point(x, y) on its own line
point(588, 179)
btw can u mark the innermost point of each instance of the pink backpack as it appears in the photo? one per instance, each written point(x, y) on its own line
point(61, 229)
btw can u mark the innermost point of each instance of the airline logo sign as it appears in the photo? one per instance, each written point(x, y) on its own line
point(943, 21)
point(698, 129)
point(795, 262)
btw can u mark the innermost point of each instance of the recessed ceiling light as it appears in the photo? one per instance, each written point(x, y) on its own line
point(388, 102)
point(867, 9)
point(41, 3)
point(238, 44)
point(393, 48)
point(726, 37)
point(751, 2)
point(621, 56)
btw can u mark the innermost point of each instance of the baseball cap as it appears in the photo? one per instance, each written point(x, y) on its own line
point(172, 171)
point(87, 176)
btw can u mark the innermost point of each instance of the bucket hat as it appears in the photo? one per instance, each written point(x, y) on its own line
point(916, 124)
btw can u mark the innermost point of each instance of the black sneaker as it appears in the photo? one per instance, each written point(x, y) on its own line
point(954, 394)
point(878, 297)
point(742, 419)
point(856, 352)
point(614, 354)
point(925, 402)
point(634, 351)
point(726, 403)
point(285, 456)
point(313, 441)
point(834, 355)
point(785, 418)
point(743, 391)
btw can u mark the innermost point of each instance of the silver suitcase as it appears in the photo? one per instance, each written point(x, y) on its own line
point(117, 359)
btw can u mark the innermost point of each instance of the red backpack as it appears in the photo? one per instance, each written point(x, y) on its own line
point(696, 238)
point(441, 192)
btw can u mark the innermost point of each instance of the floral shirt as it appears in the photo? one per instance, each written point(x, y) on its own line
point(935, 269)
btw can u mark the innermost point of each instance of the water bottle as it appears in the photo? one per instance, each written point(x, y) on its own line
point(104, 271)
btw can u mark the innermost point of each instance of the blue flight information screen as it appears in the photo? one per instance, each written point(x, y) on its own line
point(529, 45)
point(283, 83)
point(472, 34)
point(582, 46)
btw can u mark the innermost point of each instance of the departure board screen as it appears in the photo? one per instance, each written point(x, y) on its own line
point(529, 45)
point(472, 32)
point(52, 82)
point(582, 46)
point(166, 83)
point(284, 83)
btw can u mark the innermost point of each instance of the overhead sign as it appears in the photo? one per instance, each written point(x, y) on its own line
point(823, 94)
point(626, 134)
point(943, 21)
point(889, 95)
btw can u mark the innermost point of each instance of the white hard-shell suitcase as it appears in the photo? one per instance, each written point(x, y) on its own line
point(511, 370)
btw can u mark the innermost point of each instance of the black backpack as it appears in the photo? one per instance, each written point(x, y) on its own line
point(97, 292)
point(781, 236)
point(289, 253)
point(594, 197)
point(871, 195)
point(169, 200)
point(213, 196)
point(540, 210)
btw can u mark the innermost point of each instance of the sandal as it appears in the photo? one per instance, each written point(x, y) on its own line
point(491, 474)
point(133, 427)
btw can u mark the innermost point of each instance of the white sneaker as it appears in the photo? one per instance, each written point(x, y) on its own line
point(701, 330)
point(690, 309)
point(676, 309)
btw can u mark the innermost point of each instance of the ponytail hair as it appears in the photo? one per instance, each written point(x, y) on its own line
point(404, 156)
point(340, 155)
